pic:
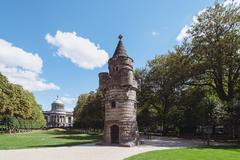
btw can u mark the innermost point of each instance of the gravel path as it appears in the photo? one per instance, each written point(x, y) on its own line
point(93, 152)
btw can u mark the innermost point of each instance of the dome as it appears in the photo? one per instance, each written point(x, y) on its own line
point(57, 105)
point(58, 101)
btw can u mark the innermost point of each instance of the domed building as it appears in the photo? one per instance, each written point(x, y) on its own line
point(57, 116)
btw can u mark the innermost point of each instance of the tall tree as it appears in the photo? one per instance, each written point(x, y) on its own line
point(161, 86)
point(89, 113)
point(214, 46)
point(82, 100)
point(215, 41)
point(18, 107)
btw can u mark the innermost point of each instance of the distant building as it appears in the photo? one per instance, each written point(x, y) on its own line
point(57, 116)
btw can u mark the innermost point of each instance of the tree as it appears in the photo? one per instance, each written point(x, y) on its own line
point(147, 113)
point(18, 107)
point(89, 111)
point(197, 84)
point(215, 42)
point(161, 84)
point(215, 52)
point(82, 100)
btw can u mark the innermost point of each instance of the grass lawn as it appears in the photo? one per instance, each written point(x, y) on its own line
point(45, 138)
point(214, 153)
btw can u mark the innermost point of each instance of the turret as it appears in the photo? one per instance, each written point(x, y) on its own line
point(119, 88)
point(103, 80)
point(121, 67)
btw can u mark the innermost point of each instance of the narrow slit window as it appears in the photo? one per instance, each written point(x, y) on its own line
point(135, 105)
point(113, 104)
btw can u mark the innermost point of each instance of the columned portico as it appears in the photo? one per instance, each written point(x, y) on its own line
point(58, 117)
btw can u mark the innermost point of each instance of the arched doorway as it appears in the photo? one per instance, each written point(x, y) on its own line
point(114, 134)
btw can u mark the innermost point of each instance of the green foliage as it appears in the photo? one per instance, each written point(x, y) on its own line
point(18, 107)
point(192, 109)
point(215, 45)
point(89, 112)
point(82, 100)
point(196, 84)
point(161, 85)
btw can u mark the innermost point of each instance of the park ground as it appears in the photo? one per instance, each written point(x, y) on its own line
point(46, 138)
point(65, 145)
point(200, 153)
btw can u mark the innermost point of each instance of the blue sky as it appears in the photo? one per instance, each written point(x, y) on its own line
point(67, 64)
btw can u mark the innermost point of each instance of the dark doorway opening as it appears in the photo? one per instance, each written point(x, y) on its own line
point(114, 134)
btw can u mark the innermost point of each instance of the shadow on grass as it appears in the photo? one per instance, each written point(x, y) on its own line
point(72, 134)
point(67, 131)
point(59, 132)
point(79, 137)
point(223, 147)
point(68, 144)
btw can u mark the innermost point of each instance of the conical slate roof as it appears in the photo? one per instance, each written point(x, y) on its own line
point(120, 51)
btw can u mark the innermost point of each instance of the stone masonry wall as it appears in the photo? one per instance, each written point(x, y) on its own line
point(119, 87)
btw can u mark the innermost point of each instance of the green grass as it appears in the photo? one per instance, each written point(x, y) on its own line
point(50, 138)
point(214, 153)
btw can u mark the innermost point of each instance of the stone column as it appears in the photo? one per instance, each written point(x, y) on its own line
point(64, 119)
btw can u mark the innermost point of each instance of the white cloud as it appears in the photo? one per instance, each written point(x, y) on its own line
point(227, 2)
point(17, 57)
point(22, 67)
point(183, 33)
point(69, 102)
point(194, 19)
point(154, 34)
point(79, 50)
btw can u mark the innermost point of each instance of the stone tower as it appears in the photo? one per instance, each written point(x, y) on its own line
point(119, 87)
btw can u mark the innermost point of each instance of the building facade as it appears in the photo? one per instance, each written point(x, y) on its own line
point(58, 116)
point(119, 87)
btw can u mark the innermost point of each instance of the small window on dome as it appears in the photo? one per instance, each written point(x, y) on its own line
point(113, 104)
point(116, 68)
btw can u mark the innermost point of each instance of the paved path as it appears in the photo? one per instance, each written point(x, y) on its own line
point(93, 152)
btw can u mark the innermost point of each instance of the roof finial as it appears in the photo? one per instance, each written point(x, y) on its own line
point(57, 96)
point(120, 37)
point(120, 51)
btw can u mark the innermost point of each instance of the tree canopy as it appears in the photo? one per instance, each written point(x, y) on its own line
point(89, 111)
point(18, 107)
point(197, 83)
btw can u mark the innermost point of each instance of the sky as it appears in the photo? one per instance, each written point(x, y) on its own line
point(58, 47)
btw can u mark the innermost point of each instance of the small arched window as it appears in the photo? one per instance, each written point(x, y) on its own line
point(116, 68)
point(113, 104)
